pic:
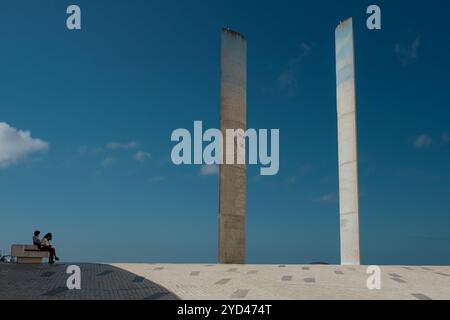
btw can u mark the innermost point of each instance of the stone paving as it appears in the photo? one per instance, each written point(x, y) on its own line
point(295, 282)
point(98, 282)
point(222, 282)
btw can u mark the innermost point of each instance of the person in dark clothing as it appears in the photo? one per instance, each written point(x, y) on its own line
point(36, 240)
point(47, 246)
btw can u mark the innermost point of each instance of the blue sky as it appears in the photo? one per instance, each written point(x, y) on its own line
point(104, 101)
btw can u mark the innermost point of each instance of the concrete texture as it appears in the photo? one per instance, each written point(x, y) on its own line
point(217, 282)
point(347, 137)
point(296, 282)
point(232, 197)
point(28, 254)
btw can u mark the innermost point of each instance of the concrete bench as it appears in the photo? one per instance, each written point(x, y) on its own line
point(28, 254)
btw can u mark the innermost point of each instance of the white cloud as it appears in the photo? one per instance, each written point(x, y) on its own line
point(108, 162)
point(142, 156)
point(305, 49)
point(16, 145)
point(209, 170)
point(423, 141)
point(287, 80)
point(407, 51)
point(329, 198)
point(302, 171)
point(119, 145)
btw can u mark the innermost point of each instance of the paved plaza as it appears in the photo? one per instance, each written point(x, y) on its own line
point(295, 282)
point(222, 282)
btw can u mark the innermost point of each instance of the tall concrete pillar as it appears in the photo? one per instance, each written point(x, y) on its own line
point(348, 156)
point(233, 177)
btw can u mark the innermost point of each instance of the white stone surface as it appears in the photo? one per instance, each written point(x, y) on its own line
point(295, 282)
point(347, 138)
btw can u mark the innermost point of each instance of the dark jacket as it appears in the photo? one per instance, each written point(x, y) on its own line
point(37, 242)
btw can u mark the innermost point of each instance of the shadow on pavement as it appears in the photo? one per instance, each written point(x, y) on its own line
point(98, 282)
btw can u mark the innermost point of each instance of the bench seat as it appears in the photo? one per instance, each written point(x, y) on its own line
point(28, 254)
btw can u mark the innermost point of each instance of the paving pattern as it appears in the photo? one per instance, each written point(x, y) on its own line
point(98, 282)
point(295, 282)
point(222, 282)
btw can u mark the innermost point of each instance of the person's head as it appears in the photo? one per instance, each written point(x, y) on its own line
point(37, 233)
point(48, 236)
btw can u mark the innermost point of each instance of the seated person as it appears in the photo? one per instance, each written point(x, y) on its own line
point(36, 240)
point(47, 246)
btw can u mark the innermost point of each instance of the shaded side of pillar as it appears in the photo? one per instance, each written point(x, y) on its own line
point(347, 139)
point(232, 194)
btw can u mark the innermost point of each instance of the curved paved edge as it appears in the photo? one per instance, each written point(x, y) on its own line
point(98, 282)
